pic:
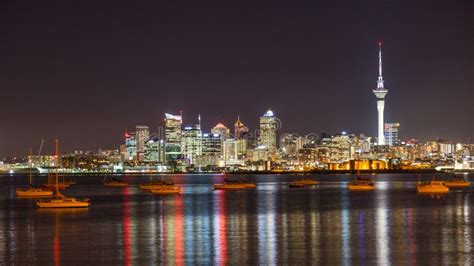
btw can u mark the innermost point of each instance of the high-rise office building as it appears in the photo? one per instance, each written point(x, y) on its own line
point(130, 146)
point(268, 127)
point(380, 93)
point(142, 134)
point(211, 149)
point(191, 143)
point(172, 137)
point(391, 134)
point(290, 144)
point(446, 147)
point(230, 152)
point(222, 130)
point(239, 129)
point(224, 133)
point(340, 147)
point(242, 145)
point(152, 150)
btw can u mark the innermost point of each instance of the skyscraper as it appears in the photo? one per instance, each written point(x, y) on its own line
point(230, 152)
point(131, 145)
point(268, 126)
point(191, 143)
point(290, 144)
point(152, 150)
point(222, 130)
point(172, 137)
point(391, 134)
point(142, 135)
point(224, 133)
point(211, 149)
point(380, 93)
point(239, 129)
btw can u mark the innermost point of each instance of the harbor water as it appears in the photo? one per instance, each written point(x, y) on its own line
point(272, 224)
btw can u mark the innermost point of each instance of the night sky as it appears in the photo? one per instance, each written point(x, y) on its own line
point(86, 71)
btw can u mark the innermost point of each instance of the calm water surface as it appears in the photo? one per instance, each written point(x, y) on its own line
point(271, 224)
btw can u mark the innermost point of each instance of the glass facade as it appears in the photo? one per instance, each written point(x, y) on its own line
point(391, 134)
point(172, 137)
point(268, 126)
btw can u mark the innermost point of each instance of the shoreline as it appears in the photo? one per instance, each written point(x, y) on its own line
point(320, 172)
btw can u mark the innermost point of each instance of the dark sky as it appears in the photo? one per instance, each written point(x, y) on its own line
point(86, 71)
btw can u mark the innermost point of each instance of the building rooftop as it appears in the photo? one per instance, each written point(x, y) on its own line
point(269, 113)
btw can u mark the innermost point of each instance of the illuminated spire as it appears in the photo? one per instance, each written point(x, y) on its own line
point(380, 94)
point(380, 80)
point(238, 123)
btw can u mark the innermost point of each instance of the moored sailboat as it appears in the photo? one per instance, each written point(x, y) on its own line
point(166, 190)
point(361, 184)
point(59, 200)
point(241, 181)
point(162, 188)
point(114, 182)
point(154, 184)
point(432, 187)
point(304, 182)
point(229, 186)
point(457, 182)
point(31, 191)
point(50, 184)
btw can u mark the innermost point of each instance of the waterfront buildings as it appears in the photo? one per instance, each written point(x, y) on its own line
point(206, 152)
point(189, 149)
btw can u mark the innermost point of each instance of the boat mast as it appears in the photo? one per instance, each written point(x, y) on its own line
point(49, 169)
point(57, 169)
point(31, 177)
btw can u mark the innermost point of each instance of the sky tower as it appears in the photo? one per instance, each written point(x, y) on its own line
point(380, 93)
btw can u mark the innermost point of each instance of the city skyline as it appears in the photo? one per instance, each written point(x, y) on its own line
point(155, 131)
point(312, 69)
point(237, 132)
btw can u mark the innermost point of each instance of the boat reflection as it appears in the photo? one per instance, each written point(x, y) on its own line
point(126, 227)
point(56, 242)
point(269, 225)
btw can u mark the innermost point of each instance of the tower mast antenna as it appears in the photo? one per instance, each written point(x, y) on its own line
point(380, 80)
point(380, 94)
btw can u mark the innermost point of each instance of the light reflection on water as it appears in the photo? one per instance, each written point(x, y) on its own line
point(346, 231)
point(269, 225)
point(381, 227)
